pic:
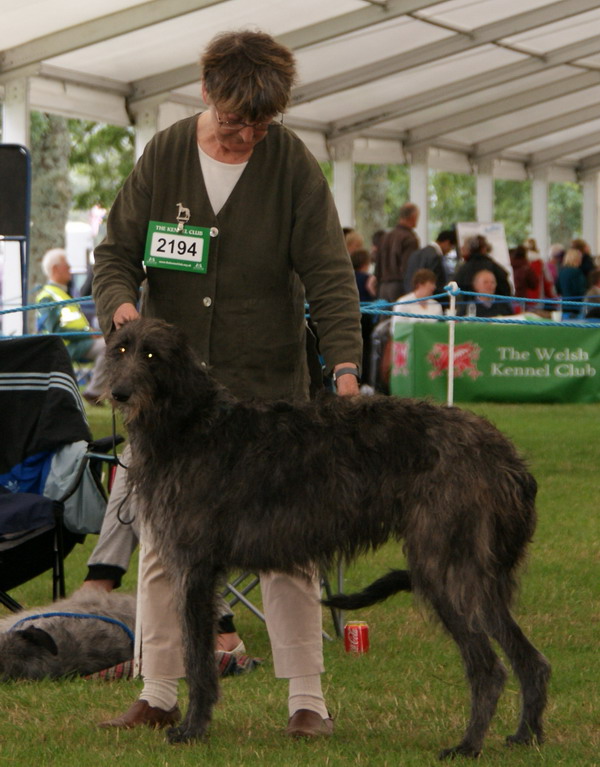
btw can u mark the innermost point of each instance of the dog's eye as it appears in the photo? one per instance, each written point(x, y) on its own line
point(121, 350)
point(149, 355)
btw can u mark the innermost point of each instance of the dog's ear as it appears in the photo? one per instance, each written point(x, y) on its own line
point(39, 638)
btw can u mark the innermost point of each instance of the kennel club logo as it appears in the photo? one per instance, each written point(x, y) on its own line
point(465, 360)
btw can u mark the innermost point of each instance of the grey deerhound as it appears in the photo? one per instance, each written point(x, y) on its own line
point(229, 484)
point(52, 641)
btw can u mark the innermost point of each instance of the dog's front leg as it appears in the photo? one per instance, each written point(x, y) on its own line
point(198, 624)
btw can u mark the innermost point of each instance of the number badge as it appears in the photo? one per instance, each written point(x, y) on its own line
point(168, 248)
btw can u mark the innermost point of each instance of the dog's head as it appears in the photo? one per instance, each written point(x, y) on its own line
point(25, 653)
point(150, 364)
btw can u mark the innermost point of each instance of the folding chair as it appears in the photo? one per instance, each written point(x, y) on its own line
point(236, 592)
point(51, 490)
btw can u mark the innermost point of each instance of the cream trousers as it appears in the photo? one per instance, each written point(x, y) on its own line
point(291, 606)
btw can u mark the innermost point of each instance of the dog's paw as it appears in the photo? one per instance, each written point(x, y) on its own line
point(184, 734)
point(463, 749)
point(524, 739)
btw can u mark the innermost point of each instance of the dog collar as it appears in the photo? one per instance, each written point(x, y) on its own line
point(104, 618)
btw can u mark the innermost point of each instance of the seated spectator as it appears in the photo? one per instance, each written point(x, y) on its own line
point(422, 303)
point(432, 257)
point(70, 318)
point(486, 305)
point(571, 282)
point(476, 253)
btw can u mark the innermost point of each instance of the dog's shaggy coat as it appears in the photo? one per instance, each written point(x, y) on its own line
point(63, 645)
point(229, 484)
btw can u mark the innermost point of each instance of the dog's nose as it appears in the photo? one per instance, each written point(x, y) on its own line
point(120, 395)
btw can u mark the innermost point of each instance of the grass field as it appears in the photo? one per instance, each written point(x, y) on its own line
point(405, 699)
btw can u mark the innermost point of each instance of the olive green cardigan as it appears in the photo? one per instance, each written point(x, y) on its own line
point(279, 240)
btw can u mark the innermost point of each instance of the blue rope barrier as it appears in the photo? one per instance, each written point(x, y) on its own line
point(46, 305)
point(386, 309)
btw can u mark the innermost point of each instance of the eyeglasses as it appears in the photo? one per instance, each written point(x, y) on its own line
point(238, 125)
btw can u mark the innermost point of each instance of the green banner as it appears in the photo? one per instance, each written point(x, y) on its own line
point(497, 363)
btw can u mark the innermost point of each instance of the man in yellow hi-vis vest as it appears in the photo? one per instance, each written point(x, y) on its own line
point(70, 318)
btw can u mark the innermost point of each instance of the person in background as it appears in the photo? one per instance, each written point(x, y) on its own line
point(376, 240)
point(432, 257)
point(275, 243)
point(486, 305)
point(571, 283)
point(587, 260)
point(526, 280)
point(424, 285)
point(70, 319)
point(365, 282)
point(394, 252)
point(476, 252)
point(593, 295)
point(354, 241)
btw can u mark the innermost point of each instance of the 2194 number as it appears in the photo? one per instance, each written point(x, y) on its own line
point(173, 247)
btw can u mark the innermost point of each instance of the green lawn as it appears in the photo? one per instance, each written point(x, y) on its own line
point(405, 699)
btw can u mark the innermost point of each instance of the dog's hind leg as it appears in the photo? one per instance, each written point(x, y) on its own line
point(201, 671)
point(532, 670)
point(485, 673)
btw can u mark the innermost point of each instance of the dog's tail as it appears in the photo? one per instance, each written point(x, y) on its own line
point(382, 588)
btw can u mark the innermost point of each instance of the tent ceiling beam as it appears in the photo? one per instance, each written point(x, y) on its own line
point(313, 34)
point(453, 45)
point(399, 108)
point(98, 30)
point(493, 146)
point(427, 132)
point(548, 156)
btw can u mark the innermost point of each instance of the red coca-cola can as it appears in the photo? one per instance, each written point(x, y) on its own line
point(356, 637)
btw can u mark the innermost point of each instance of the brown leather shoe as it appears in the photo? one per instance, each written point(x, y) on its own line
point(143, 713)
point(308, 724)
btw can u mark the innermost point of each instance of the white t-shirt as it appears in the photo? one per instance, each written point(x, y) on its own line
point(431, 307)
point(220, 178)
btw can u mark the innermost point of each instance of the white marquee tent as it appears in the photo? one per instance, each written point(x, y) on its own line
point(498, 88)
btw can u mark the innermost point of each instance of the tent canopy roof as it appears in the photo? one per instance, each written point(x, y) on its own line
point(516, 81)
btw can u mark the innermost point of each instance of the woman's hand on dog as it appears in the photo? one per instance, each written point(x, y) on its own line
point(124, 313)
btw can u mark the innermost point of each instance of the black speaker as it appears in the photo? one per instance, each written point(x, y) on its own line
point(15, 175)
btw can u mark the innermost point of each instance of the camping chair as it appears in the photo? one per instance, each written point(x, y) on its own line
point(51, 493)
point(236, 592)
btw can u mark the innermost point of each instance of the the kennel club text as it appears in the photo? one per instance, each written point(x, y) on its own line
point(542, 362)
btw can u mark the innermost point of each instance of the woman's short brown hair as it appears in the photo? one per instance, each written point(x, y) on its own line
point(248, 73)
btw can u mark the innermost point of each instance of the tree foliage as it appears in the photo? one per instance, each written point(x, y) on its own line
point(371, 190)
point(50, 187)
point(565, 209)
point(451, 200)
point(512, 206)
point(101, 158)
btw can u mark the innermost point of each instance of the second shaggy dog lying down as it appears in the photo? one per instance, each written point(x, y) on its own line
point(63, 645)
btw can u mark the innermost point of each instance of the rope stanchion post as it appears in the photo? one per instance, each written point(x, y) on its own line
point(452, 289)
